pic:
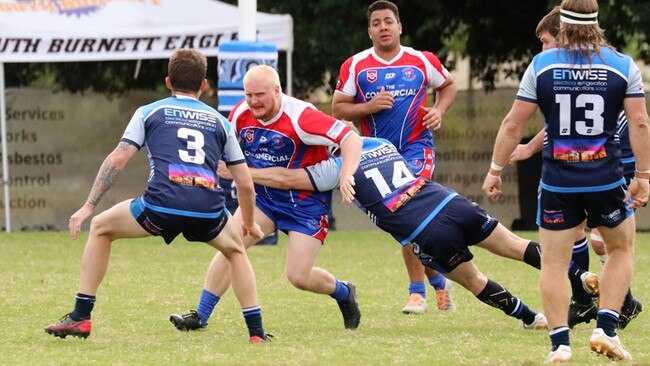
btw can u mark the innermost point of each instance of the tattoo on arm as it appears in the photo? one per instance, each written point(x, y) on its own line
point(106, 177)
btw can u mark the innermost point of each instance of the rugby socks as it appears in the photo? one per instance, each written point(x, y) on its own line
point(83, 306)
point(253, 318)
point(607, 320)
point(342, 292)
point(498, 297)
point(579, 264)
point(580, 255)
point(438, 281)
point(206, 306)
point(418, 288)
point(533, 255)
point(559, 337)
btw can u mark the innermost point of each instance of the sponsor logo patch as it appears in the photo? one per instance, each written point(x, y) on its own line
point(335, 130)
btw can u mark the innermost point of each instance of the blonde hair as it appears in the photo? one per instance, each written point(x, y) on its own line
point(583, 38)
point(263, 72)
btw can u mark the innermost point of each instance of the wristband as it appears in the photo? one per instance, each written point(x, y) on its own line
point(496, 167)
point(493, 176)
point(642, 171)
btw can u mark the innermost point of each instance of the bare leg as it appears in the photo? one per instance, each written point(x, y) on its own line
point(617, 272)
point(114, 223)
point(556, 255)
point(302, 252)
point(217, 279)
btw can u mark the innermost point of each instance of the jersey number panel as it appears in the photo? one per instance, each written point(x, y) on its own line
point(401, 175)
point(584, 147)
point(195, 143)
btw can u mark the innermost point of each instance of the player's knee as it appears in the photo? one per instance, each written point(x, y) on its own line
point(299, 280)
point(100, 225)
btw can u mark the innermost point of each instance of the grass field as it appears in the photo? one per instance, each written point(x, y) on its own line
point(148, 280)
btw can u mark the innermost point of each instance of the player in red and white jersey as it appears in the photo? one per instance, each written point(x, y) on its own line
point(278, 130)
point(385, 89)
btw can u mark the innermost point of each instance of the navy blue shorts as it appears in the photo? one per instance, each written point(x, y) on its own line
point(444, 244)
point(169, 226)
point(561, 211)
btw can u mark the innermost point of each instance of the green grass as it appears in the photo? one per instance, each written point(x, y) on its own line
point(148, 280)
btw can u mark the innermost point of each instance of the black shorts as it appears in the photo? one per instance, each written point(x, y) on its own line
point(169, 226)
point(561, 211)
point(444, 243)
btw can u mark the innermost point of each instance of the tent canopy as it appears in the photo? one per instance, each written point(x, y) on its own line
point(111, 30)
point(59, 31)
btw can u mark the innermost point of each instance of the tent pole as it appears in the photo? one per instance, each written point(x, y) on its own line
point(289, 73)
point(3, 139)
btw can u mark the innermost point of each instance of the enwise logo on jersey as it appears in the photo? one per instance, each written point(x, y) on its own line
point(249, 135)
point(587, 74)
point(408, 74)
point(371, 75)
point(190, 115)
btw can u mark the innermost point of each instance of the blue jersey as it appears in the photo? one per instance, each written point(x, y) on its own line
point(394, 199)
point(581, 100)
point(184, 139)
point(627, 158)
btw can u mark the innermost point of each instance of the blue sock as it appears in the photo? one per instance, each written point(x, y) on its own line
point(438, 281)
point(342, 291)
point(253, 318)
point(83, 306)
point(607, 320)
point(418, 288)
point(559, 337)
point(206, 305)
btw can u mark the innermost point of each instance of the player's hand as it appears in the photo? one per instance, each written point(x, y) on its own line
point(254, 230)
point(432, 118)
point(638, 192)
point(383, 100)
point(74, 224)
point(223, 171)
point(346, 186)
point(520, 153)
point(492, 187)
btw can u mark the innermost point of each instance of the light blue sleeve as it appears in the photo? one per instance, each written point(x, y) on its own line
point(528, 86)
point(232, 151)
point(634, 81)
point(135, 129)
point(324, 176)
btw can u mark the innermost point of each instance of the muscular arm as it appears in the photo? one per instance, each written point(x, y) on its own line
point(345, 107)
point(510, 133)
point(525, 151)
point(282, 178)
point(639, 126)
point(351, 154)
point(111, 168)
point(246, 199)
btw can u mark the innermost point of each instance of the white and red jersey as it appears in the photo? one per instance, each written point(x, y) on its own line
point(407, 77)
point(296, 137)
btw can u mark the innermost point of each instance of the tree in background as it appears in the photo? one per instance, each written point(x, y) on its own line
point(495, 35)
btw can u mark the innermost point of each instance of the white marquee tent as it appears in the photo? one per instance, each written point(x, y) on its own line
point(64, 31)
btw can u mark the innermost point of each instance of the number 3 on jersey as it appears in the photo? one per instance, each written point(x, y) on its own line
point(593, 106)
point(195, 142)
point(401, 175)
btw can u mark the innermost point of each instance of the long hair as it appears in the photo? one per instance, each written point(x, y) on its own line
point(586, 39)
